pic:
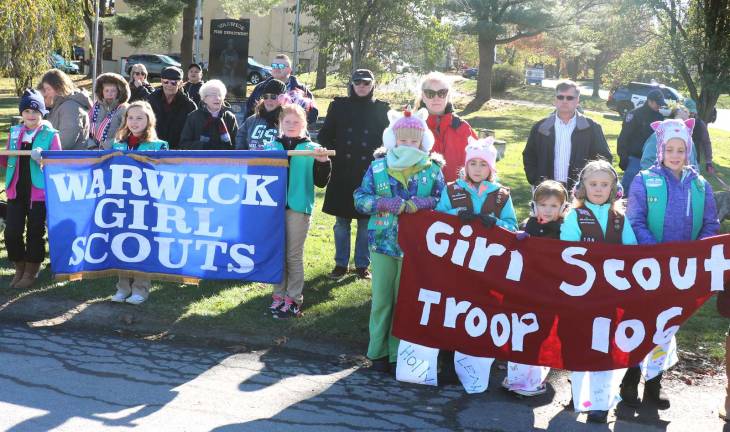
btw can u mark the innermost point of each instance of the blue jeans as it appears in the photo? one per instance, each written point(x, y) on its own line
point(342, 243)
point(630, 172)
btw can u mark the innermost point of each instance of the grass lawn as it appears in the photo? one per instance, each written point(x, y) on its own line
point(338, 312)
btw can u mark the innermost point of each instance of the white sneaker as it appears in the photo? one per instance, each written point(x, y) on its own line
point(534, 392)
point(120, 297)
point(135, 299)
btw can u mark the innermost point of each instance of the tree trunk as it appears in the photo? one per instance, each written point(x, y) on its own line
point(188, 25)
point(557, 67)
point(487, 45)
point(322, 55)
point(597, 73)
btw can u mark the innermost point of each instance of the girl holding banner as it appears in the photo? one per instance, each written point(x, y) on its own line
point(403, 177)
point(25, 188)
point(138, 133)
point(597, 216)
point(668, 202)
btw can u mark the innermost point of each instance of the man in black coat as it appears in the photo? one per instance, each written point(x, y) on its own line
point(354, 128)
point(560, 145)
point(635, 130)
point(171, 106)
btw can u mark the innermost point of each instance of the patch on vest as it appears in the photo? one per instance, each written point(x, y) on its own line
point(379, 167)
point(654, 182)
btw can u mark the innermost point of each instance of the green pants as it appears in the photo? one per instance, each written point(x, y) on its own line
point(386, 279)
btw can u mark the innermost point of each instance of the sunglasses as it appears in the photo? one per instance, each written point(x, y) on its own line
point(360, 82)
point(270, 96)
point(138, 73)
point(433, 93)
point(279, 66)
point(565, 97)
point(169, 82)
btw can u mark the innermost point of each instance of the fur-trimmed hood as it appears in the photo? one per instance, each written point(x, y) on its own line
point(115, 79)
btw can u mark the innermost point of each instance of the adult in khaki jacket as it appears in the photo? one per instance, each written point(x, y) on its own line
point(69, 109)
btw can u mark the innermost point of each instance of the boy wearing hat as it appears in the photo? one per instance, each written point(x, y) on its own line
point(195, 81)
point(25, 186)
point(402, 178)
point(171, 106)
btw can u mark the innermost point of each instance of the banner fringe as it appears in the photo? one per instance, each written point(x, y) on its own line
point(72, 277)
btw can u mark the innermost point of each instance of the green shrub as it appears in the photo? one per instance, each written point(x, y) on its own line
point(505, 76)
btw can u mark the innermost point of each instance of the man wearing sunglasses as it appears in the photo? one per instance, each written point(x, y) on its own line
point(354, 128)
point(560, 145)
point(171, 106)
point(281, 70)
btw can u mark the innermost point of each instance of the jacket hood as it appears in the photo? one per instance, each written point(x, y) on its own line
point(80, 97)
point(115, 79)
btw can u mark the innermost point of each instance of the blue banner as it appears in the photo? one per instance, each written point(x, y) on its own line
point(168, 215)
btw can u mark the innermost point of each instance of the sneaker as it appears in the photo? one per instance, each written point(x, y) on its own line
point(337, 273)
point(135, 299)
point(120, 297)
point(276, 304)
point(289, 310)
point(541, 389)
point(363, 273)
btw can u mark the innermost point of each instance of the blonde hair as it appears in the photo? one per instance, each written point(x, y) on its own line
point(592, 167)
point(149, 133)
point(437, 77)
point(293, 109)
point(61, 83)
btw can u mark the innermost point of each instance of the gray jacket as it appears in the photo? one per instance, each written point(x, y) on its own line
point(70, 116)
point(115, 124)
point(255, 133)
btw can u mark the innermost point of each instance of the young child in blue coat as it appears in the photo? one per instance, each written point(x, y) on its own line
point(597, 216)
point(669, 202)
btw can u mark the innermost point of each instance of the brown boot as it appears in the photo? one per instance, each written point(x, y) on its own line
point(29, 275)
point(19, 270)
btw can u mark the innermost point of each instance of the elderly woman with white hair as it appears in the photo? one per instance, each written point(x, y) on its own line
point(450, 131)
point(212, 126)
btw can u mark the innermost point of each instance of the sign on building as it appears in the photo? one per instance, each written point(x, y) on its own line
point(229, 54)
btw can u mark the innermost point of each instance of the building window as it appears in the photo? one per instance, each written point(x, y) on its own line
point(106, 49)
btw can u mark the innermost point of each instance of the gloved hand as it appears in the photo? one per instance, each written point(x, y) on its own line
point(466, 216)
point(521, 235)
point(393, 205)
point(35, 154)
point(488, 220)
point(419, 203)
point(710, 168)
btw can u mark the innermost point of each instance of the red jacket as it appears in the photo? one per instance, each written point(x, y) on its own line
point(451, 135)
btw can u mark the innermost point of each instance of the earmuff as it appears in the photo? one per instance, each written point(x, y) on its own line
point(616, 191)
point(566, 198)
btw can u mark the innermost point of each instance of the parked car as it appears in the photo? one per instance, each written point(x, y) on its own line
point(59, 62)
point(153, 62)
point(624, 98)
point(257, 72)
point(470, 73)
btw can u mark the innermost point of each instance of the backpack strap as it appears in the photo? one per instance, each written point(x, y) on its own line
point(459, 197)
point(495, 202)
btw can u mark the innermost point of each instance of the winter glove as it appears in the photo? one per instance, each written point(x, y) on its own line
point(466, 216)
point(521, 235)
point(393, 205)
point(488, 220)
point(419, 203)
point(35, 154)
point(710, 168)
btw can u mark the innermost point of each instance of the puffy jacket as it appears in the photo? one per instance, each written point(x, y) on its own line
point(506, 219)
point(70, 117)
point(451, 133)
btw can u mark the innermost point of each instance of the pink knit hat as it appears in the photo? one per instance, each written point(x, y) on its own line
point(482, 149)
point(408, 125)
point(672, 128)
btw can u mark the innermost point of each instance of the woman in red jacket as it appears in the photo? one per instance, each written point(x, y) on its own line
point(450, 131)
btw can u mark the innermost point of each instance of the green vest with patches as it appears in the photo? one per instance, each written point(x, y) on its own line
point(43, 139)
point(154, 145)
point(300, 191)
point(426, 177)
point(656, 199)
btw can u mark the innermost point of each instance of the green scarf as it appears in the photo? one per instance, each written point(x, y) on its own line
point(404, 161)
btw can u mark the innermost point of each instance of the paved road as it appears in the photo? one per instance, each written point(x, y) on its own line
point(68, 381)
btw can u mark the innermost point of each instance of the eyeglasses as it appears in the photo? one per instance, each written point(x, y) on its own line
point(433, 93)
point(360, 82)
point(138, 73)
point(279, 65)
point(169, 82)
point(565, 97)
point(270, 96)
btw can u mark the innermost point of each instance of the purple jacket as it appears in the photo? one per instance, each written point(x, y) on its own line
point(678, 218)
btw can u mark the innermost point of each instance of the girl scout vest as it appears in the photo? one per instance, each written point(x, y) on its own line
point(656, 198)
point(426, 176)
point(43, 139)
point(590, 228)
point(143, 146)
point(495, 202)
point(300, 192)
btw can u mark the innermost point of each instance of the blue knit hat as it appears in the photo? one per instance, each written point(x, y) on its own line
point(31, 99)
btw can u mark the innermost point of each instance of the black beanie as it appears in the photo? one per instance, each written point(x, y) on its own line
point(274, 86)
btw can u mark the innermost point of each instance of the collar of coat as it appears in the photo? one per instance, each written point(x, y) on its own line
point(581, 122)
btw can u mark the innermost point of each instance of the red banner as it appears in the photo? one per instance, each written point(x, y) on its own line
point(569, 305)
